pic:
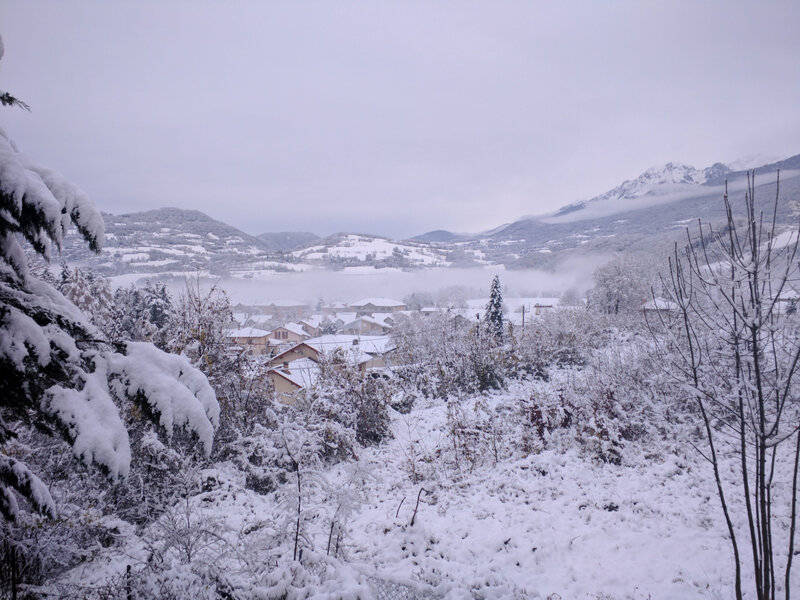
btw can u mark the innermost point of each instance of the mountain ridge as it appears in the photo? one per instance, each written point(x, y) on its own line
point(173, 241)
point(654, 178)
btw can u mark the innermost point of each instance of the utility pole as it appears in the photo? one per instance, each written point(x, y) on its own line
point(523, 318)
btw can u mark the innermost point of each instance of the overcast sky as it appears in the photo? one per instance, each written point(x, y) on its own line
point(392, 118)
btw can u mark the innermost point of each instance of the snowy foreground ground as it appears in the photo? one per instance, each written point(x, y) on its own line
point(549, 525)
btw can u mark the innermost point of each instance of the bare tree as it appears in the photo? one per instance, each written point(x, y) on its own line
point(735, 349)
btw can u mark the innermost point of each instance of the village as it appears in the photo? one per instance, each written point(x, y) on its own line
point(292, 337)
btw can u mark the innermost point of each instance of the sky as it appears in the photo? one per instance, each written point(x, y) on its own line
point(392, 118)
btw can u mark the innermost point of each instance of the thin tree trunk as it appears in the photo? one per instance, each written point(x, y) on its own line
point(793, 521)
point(297, 524)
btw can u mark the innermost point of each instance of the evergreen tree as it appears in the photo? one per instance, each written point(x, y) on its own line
point(56, 373)
point(131, 320)
point(493, 318)
point(144, 314)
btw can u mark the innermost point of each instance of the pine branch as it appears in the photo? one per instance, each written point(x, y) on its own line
point(7, 99)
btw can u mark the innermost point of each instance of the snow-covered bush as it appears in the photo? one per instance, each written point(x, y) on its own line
point(479, 431)
point(245, 393)
point(442, 355)
point(623, 284)
point(559, 338)
point(357, 400)
point(602, 406)
point(91, 293)
point(542, 413)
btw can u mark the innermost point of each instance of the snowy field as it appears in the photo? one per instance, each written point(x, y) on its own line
point(556, 524)
point(543, 524)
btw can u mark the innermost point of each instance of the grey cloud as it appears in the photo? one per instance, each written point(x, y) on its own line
point(392, 117)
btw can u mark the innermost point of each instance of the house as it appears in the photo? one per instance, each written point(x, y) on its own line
point(252, 340)
point(367, 351)
point(341, 318)
point(291, 377)
point(287, 309)
point(298, 367)
point(388, 320)
point(658, 312)
point(289, 333)
point(312, 325)
point(377, 305)
point(365, 326)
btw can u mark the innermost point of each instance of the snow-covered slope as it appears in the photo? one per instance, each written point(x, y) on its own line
point(642, 213)
point(350, 250)
point(287, 240)
point(174, 241)
point(659, 182)
point(168, 240)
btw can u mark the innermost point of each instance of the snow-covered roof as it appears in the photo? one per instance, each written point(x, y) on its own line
point(247, 332)
point(383, 319)
point(287, 303)
point(313, 321)
point(345, 317)
point(355, 323)
point(371, 344)
point(295, 328)
point(240, 317)
point(302, 372)
point(357, 346)
point(382, 302)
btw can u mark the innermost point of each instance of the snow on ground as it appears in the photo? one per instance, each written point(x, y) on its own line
point(539, 525)
point(785, 239)
point(551, 525)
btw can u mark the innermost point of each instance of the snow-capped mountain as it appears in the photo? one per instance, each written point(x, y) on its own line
point(670, 178)
point(660, 202)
